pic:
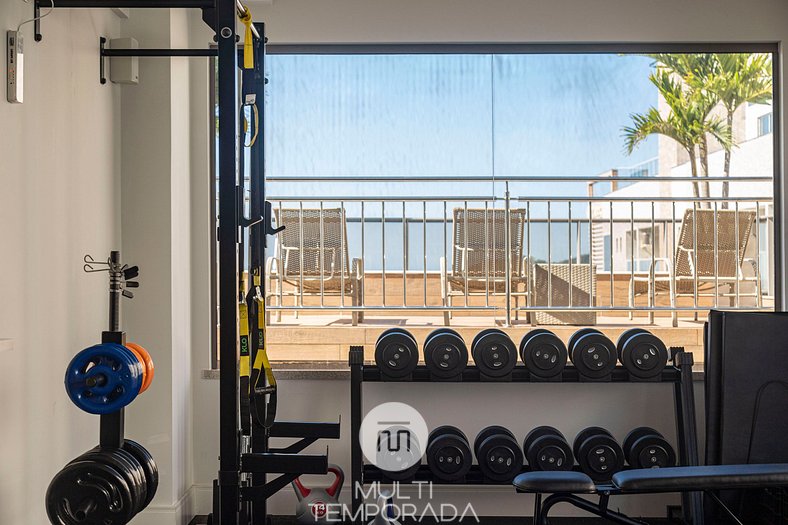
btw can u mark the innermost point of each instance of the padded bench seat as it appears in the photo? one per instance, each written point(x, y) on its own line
point(712, 477)
point(569, 482)
point(647, 481)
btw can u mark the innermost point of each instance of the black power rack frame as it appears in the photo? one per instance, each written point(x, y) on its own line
point(679, 373)
point(241, 488)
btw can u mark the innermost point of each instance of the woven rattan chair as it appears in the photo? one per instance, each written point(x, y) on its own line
point(705, 269)
point(479, 256)
point(312, 258)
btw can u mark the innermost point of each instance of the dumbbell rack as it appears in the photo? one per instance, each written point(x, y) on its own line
point(679, 373)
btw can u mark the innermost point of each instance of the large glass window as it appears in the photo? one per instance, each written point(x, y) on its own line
point(642, 182)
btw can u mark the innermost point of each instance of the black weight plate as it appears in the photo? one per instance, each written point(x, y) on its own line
point(397, 462)
point(124, 464)
point(580, 333)
point(445, 353)
point(500, 457)
point(636, 434)
point(587, 433)
point(543, 353)
point(447, 429)
point(599, 456)
point(594, 355)
point(494, 352)
point(482, 334)
point(148, 466)
point(643, 355)
point(487, 432)
point(448, 453)
point(626, 335)
point(647, 448)
point(396, 330)
point(396, 353)
point(547, 449)
point(89, 493)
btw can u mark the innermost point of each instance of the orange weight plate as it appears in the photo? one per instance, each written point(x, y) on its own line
point(148, 361)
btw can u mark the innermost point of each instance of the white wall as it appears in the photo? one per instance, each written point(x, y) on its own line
point(569, 407)
point(157, 212)
point(59, 199)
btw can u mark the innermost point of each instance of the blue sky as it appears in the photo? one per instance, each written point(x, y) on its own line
point(453, 115)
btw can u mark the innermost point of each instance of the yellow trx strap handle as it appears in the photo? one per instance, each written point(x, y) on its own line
point(246, 18)
point(263, 384)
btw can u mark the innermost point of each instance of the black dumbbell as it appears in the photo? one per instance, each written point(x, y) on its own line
point(398, 453)
point(644, 447)
point(642, 353)
point(598, 453)
point(396, 353)
point(494, 353)
point(543, 353)
point(498, 453)
point(592, 353)
point(448, 453)
point(547, 449)
point(445, 354)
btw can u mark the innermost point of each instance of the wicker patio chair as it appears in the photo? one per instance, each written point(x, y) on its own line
point(298, 261)
point(705, 268)
point(479, 256)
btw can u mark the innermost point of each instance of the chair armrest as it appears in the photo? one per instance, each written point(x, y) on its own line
point(270, 262)
point(357, 269)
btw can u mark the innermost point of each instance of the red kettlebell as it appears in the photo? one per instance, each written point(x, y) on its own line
point(319, 505)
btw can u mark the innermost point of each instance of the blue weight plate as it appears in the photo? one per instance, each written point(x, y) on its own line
point(103, 378)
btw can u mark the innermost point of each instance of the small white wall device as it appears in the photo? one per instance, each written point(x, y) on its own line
point(15, 66)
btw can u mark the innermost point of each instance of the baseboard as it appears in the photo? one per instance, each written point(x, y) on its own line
point(180, 513)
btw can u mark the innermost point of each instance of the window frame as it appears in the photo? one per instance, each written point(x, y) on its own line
point(772, 48)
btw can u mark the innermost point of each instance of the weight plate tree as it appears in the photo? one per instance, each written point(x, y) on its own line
point(498, 453)
point(593, 354)
point(114, 481)
point(546, 448)
point(494, 354)
point(644, 447)
point(445, 354)
point(642, 353)
point(598, 453)
point(544, 354)
point(397, 354)
point(448, 453)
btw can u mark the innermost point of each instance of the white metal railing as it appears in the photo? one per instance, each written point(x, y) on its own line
point(674, 248)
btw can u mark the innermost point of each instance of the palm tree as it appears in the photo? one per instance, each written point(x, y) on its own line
point(688, 121)
point(739, 78)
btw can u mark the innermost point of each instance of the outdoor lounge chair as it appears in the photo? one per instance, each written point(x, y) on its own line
point(700, 268)
point(312, 258)
point(479, 256)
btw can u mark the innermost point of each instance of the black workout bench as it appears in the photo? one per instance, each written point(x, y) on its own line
point(564, 487)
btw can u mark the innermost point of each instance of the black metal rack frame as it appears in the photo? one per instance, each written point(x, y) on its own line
point(679, 373)
point(236, 500)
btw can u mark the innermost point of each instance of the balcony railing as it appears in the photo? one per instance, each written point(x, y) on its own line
point(549, 259)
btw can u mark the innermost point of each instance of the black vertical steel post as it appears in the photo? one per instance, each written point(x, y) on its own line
point(227, 93)
point(687, 433)
point(255, 80)
point(356, 362)
point(112, 426)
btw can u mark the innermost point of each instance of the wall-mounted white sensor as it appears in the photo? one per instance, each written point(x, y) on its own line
point(16, 64)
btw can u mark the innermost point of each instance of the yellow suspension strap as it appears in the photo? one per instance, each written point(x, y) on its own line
point(245, 361)
point(246, 19)
point(264, 383)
